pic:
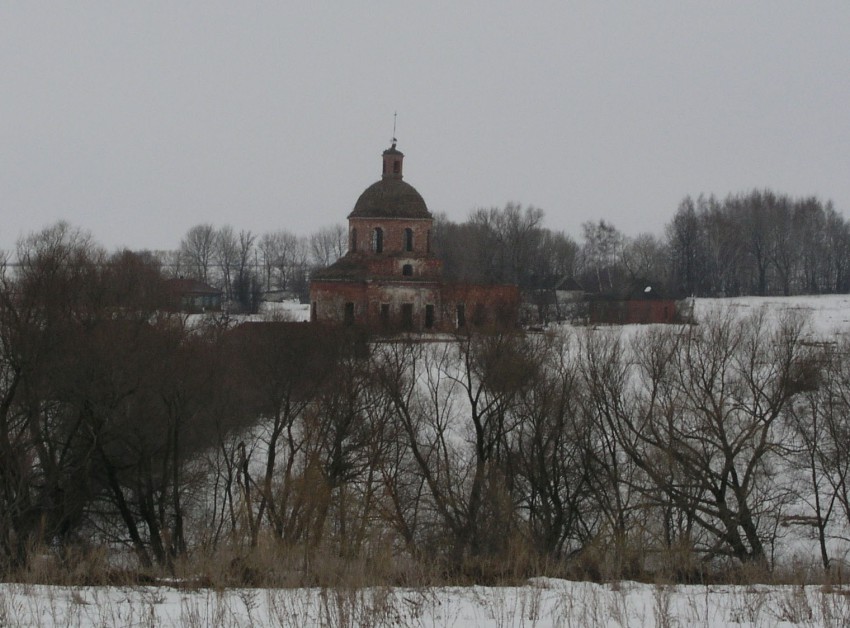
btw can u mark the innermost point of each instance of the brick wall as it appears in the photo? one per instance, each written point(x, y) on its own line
point(393, 228)
point(387, 304)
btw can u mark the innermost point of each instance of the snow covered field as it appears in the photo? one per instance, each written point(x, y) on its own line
point(542, 602)
point(828, 315)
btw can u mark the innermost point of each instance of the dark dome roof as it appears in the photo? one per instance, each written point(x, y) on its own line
point(390, 198)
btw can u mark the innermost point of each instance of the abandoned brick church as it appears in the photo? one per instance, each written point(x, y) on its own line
point(390, 277)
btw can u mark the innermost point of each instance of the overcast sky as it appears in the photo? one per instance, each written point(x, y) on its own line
point(137, 120)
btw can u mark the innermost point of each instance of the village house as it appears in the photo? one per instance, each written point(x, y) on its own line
point(390, 278)
point(191, 295)
point(641, 303)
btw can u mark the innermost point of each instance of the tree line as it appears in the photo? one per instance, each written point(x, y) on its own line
point(245, 265)
point(684, 450)
point(757, 243)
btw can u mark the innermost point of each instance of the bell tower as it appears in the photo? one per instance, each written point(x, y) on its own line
point(392, 163)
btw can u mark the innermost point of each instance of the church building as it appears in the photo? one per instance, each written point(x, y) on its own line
point(390, 278)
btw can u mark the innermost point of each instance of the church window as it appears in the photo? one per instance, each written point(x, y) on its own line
point(408, 239)
point(407, 315)
point(429, 316)
point(479, 315)
point(353, 240)
point(349, 313)
point(385, 314)
point(396, 167)
point(407, 270)
point(378, 240)
point(461, 315)
point(428, 241)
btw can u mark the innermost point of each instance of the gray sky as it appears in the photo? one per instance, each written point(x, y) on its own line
point(137, 120)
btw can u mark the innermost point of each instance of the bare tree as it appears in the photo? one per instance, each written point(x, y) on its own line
point(226, 256)
point(705, 425)
point(646, 257)
point(601, 252)
point(197, 248)
point(246, 287)
point(284, 258)
point(555, 459)
point(455, 407)
point(328, 244)
point(688, 253)
point(819, 418)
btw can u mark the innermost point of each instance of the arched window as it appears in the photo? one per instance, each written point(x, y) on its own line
point(407, 270)
point(353, 245)
point(408, 239)
point(378, 240)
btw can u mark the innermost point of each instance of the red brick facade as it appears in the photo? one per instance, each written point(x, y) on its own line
point(390, 278)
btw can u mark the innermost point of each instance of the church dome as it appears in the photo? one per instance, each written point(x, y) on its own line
point(391, 197)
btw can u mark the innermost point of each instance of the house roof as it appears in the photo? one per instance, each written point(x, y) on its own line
point(191, 286)
point(569, 284)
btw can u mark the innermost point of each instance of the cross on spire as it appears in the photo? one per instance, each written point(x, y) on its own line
point(395, 116)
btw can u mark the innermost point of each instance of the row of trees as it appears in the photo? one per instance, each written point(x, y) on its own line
point(494, 453)
point(760, 243)
point(243, 263)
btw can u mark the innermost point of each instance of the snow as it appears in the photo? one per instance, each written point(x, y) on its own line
point(828, 315)
point(287, 310)
point(541, 602)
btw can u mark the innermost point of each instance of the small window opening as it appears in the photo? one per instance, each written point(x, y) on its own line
point(429, 316)
point(385, 314)
point(407, 270)
point(479, 315)
point(428, 241)
point(349, 313)
point(378, 240)
point(396, 167)
point(353, 245)
point(408, 239)
point(461, 315)
point(407, 316)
